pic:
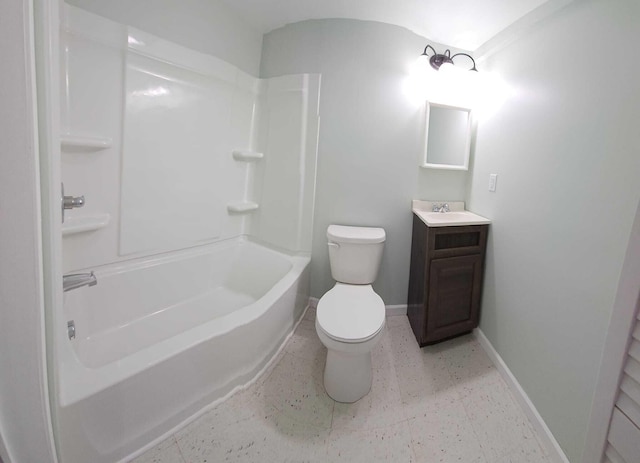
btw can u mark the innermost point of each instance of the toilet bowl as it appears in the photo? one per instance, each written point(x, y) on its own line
point(349, 322)
point(350, 318)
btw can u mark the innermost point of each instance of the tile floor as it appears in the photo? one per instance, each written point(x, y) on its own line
point(443, 403)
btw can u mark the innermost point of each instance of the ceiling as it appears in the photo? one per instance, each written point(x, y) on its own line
point(465, 24)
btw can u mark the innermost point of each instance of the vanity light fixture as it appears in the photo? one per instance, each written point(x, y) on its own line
point(438, 59)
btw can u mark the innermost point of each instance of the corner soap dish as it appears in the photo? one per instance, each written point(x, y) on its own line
point(241, 207)
point(73, 143)
point(247, 155)
point(73, 225)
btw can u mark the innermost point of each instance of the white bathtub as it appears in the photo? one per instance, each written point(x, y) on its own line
point(159, 339)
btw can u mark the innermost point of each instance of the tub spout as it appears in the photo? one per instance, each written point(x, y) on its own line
point(78, 280)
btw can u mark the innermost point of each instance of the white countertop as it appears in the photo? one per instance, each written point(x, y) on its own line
point(457, 216)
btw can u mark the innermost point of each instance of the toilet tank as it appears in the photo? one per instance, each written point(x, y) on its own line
point(355, 253)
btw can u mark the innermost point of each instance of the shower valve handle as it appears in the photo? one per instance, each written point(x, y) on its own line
point(70, 202)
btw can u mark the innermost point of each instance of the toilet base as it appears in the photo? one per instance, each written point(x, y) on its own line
point(347, 376)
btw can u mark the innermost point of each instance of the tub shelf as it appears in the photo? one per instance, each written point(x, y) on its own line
point(242, 207)
point(73, 143)
point(74, 225)
point(247, 155)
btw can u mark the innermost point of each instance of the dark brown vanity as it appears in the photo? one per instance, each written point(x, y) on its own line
point(445, 283)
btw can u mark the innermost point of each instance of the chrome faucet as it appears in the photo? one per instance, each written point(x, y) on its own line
point(441, 208)
point(71, 329)
point(78, 280)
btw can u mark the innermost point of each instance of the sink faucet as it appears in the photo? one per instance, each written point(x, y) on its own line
point(444, 207)
point(78, 280)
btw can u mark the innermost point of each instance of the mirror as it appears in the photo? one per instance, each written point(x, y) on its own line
point(447, 137)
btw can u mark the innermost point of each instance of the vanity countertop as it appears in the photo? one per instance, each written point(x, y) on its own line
point(457, 216)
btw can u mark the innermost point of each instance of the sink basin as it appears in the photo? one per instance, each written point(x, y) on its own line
point(447, 219)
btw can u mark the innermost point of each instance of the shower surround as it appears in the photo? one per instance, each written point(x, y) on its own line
point(199, 182)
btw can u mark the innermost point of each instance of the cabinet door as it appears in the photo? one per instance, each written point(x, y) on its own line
point(454, 296)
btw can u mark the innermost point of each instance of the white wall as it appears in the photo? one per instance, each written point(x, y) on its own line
point(283, 181)
point(208, 26)
point(170, 154)
point(370, 136)
point(24, 421)
point(173, 117)
point(566, 148)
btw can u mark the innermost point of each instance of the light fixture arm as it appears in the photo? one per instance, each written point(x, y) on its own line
point(432, 49)
point(468, 56)
point(438, 59)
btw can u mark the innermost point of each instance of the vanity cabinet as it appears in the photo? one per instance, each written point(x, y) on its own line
point(445, 282)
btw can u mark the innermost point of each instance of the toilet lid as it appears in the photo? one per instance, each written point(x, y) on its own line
point(350, 313)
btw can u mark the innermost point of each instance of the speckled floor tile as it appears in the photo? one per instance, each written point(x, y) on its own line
point(523, 456)
point(383, 405)
point(470, 368)
point(466, 359)
point(166, 452)
point(439, 404)
point(295, 387)
point(444, 434)
point(390, 444)
point(242, 406)
point(396, 320)
point(423, 376)
point(305, 342)
point(500, 424)
point(273, 438)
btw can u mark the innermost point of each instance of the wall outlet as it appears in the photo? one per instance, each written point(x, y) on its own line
point(493, 179)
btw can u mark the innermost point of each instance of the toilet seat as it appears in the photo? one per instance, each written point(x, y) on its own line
point(350, 313)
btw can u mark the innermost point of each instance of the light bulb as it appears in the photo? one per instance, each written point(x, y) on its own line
point(447, 68)
point(421, 66)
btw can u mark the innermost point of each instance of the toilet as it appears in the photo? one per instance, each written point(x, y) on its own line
point(350, 317)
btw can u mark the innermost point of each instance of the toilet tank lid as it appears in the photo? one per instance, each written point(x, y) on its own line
point(348, 234)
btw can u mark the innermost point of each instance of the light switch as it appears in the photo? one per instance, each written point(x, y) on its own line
point(493, 179)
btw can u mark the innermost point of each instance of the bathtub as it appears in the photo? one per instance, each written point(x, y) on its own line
point(159, 340)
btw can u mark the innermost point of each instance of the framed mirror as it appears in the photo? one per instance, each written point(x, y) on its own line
point(447, 137)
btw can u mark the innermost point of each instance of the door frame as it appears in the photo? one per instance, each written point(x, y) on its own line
point(625, 308)
point(25, 419)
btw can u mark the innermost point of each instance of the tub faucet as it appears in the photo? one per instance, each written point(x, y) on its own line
point(78, 280)
point(441, 208)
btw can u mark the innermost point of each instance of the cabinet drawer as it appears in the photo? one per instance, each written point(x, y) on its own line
point(445, 242)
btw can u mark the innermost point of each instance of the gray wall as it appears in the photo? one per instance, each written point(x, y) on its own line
point(208, 26)
point(566, 148)
point(370, 136)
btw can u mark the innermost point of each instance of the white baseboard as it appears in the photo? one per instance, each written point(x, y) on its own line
point(392, 310)
point(555, 452)
point(398, 309)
